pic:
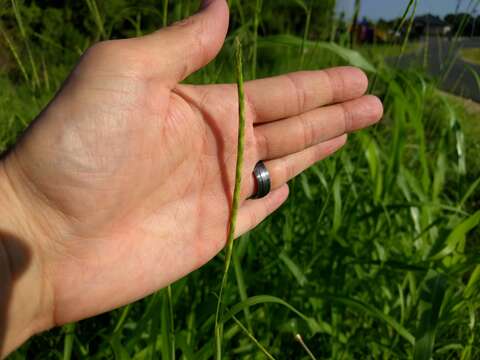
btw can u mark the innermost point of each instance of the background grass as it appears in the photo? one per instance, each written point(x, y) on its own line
point(375, 254)
point(471, 55)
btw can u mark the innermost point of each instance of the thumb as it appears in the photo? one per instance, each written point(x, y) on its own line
point(186, 46)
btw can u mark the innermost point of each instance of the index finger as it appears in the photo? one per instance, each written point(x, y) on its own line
point(292, 94)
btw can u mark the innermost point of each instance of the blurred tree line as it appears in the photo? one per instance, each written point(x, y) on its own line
point(464, 24)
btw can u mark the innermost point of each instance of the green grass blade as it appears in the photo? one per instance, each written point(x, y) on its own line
point(372, 154)
point(168, 327)
point(97, 18)
point(425, 341)
point(456, 128)
point(23, 32)
point(457, 237)
point(308, 18)
point(294, 269)
point(473, 284)
point(440, 172)
point(352, 57)
point(266, 299)
point(372, 311)
point(242, 289)
point(15, 53)
point(404, 17)
point(337, 204)
point(475, 75)
point(156, 323)
point(119, 351)
point(410, 26)
point(255, 341)
point(307, 189)
point(167, 333)
point(123, 318)
point(184, 346)
point(256, 21)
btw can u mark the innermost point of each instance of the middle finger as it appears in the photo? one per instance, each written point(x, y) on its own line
point(284, 137)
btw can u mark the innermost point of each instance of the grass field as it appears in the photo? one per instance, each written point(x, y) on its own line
point(376, 252)
point(385, 51)
point(471, 55)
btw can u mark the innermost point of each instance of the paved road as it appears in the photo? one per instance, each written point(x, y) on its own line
point(445, 64)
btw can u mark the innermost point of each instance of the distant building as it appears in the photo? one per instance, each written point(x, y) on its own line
point(430, 25)
point(366, 33)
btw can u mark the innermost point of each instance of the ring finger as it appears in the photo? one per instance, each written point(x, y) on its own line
point(283, 169)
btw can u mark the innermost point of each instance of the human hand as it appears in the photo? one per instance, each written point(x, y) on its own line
point(124, 182)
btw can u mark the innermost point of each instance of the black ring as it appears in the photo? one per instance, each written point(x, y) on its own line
point(263, 180)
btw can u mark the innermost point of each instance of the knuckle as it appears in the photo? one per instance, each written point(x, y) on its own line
point(347, 117)
point(298, 91)
point(289, 170)
point(249, 104)
point(308, 130)
point(336, 84)
point(262, 144)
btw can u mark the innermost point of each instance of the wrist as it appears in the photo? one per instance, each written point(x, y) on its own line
point(24, 309)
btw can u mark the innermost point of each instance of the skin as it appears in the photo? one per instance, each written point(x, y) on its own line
point(123, 184)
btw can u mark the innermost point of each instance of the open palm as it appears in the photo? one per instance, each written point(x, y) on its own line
point(133, 172)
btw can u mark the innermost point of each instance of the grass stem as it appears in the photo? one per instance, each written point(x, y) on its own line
point(236, 196)
point(165, 13)
point(299, 338)
point(255, 341)
point(171, 324)
point(409, 29)
point(256, 20)
point(68, 341)
point(308, 14)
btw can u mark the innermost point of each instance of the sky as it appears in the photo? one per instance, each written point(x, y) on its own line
point(390, 9)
